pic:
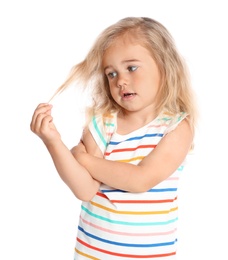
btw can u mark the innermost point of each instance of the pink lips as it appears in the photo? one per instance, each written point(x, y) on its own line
point(128, 95)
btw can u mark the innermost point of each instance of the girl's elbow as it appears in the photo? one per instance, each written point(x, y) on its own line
point(86, 191)
point(85, 196)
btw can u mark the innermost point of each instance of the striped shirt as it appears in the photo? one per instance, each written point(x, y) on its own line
point(122, 225)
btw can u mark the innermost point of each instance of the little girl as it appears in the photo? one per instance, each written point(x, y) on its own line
point(140, 130)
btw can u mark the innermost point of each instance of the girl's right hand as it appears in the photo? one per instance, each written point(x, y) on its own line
point(42, 124)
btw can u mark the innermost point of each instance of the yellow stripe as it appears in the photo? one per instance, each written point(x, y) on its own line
point(108, 116)
point(132, 159)
point(86, 255)
point(168, 113)
point(134, 212)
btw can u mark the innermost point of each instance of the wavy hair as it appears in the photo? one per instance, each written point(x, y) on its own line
point(175, 92)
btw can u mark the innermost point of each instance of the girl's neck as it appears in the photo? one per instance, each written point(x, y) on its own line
point(131, 121)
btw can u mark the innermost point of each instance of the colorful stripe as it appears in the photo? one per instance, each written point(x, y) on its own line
point(125, 244)
point(133, 212)
point(125, 255)
point(137, 138)
point(127, 223)
point(98, 131)
point(111, 231)
point(118, 224)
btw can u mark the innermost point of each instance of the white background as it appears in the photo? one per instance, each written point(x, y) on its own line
point(39, 43)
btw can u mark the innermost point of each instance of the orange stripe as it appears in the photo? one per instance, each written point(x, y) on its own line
point(123, 255)
point(108, 116)
point(132, 159)
point(86, 255)
point(133, 212)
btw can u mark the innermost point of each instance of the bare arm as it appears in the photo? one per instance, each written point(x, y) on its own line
point(76, 177)
point(156, 167)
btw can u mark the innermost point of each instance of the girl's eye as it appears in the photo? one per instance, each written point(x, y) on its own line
point(132, 68)
point(111, 75)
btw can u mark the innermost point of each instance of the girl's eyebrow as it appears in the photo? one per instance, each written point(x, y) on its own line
point(131, 60)
point(124, 61)
point(107, 67)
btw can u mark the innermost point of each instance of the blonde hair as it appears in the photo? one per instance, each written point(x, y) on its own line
point(175, 93)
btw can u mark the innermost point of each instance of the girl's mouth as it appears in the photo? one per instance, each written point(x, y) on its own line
point(128, 95)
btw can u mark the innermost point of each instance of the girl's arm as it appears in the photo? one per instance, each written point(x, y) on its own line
point(154, 168)
point(76, 177)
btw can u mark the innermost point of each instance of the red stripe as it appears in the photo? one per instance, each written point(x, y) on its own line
point(143, 201)
point(132, 149)
point(102, 195)
point(136, 201)
point(123, 255)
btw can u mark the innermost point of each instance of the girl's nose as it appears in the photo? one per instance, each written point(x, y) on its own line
point(121, 82)
point(121, 85)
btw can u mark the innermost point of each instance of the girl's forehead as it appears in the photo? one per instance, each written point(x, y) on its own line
point(125, 49)
point(123, 42)
point(127, 38)
point(122, 53)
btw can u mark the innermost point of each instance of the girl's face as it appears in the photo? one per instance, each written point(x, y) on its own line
point(133, 76)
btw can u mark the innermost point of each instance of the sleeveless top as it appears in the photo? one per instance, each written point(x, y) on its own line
point(120, 225)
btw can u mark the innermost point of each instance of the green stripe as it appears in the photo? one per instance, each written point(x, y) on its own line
point(109, 124)
point(128, 223)
point(98, 132)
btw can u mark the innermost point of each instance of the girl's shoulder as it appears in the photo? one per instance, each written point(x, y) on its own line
point(168, 120)
point(102, 127)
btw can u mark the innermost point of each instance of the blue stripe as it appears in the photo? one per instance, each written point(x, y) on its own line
point(151, 190)
point(138, 138)
point(162, 190)
point(126, 244)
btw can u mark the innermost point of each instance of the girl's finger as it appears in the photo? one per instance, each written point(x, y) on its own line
point(36, 122)
point(41, 109)
point(44, 123)
point(42, 105)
